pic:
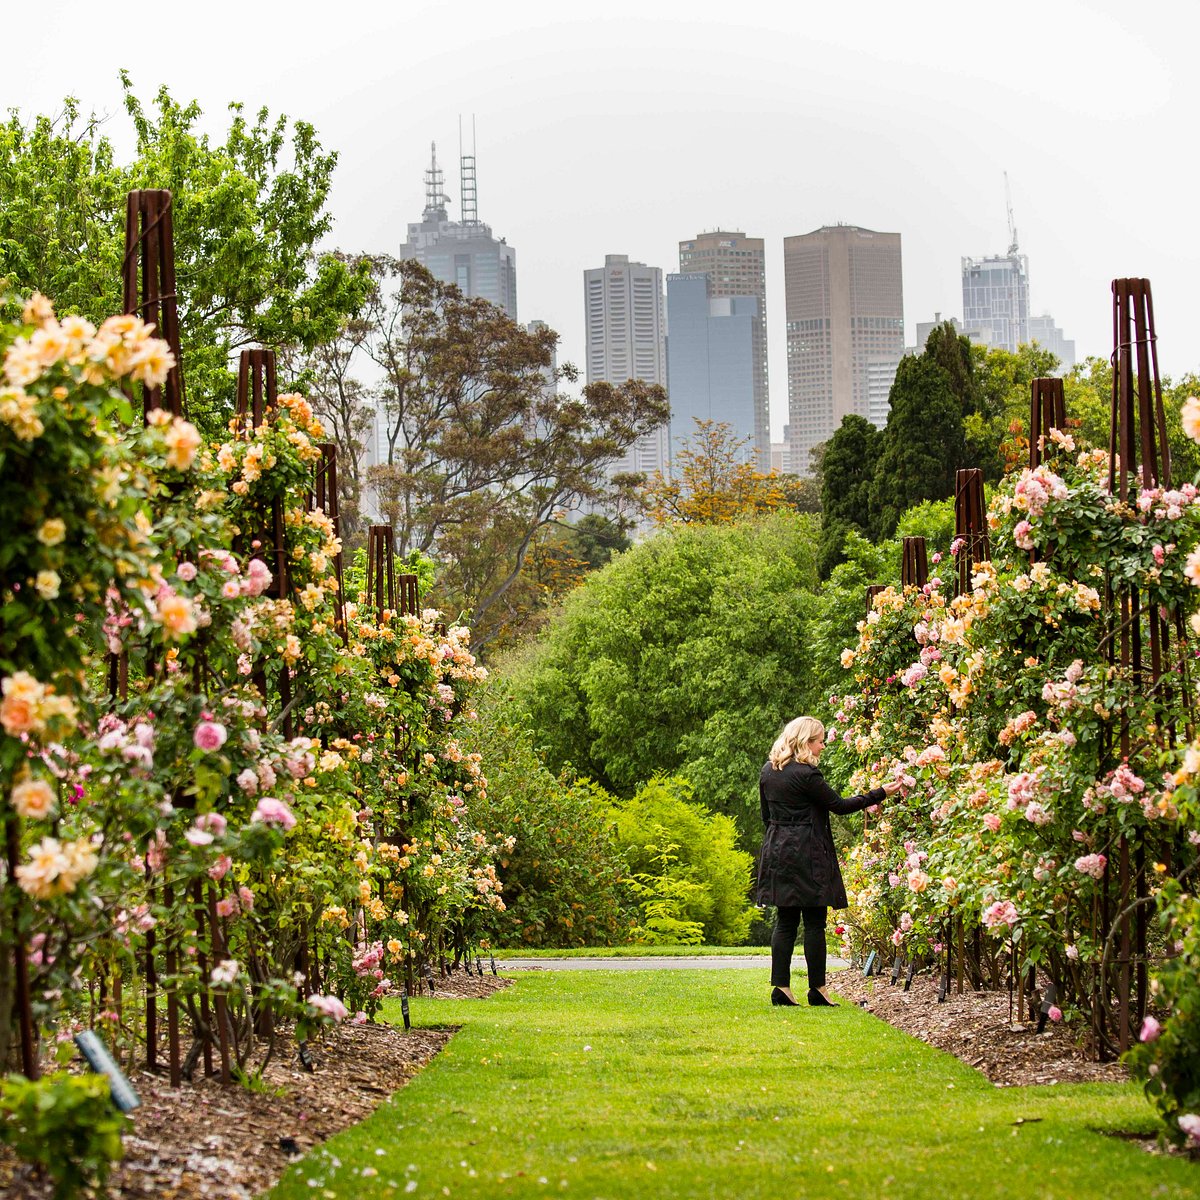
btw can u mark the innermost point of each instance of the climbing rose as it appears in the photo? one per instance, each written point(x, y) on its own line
point(210, 735)
point(1150, 1030)
point(274, 812)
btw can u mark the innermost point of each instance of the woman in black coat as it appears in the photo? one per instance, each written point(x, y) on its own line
point(798, 870)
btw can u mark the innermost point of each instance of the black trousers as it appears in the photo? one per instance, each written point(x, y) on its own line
point(783, 945)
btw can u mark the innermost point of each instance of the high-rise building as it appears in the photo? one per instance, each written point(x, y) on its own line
point(736, 266)
point(711, 357)
point(462, 252)
point(845, 330)
point(1047, 334)
point(625, 339)
point(996, 299)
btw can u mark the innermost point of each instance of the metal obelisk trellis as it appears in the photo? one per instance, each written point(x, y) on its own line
point(1139, 458)
point(148, 275)
point(325, 499)
point(914, 563)
point(1047, 411)
point(385, 589)
point(970, 524)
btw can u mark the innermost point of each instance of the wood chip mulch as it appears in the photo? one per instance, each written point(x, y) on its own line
point(975, 1027)
point(204, 1140)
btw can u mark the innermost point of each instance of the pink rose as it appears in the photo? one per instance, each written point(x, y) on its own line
point(220, 868)
point(991, 821)
point(1054, 1012)
point(226, 906)
point(210, 735)
point(274, 812)
point(186, 571)
point(1150, 1030)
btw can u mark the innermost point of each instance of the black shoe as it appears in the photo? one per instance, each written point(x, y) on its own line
point(816, 1000)
point(779, 996)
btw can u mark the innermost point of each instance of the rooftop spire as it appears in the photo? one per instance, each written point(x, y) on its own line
point(435, 188)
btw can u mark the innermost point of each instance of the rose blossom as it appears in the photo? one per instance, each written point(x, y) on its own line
point(1190, 1124)
point(186, 571)
point(328, 1006)
point(220, 868)
point(1054, 1012)
point(1150, 1030)
point(248, 781)
point(991, 821)
point(210, 735)
point(32, 799)
point(1091, 864)
point(274, 812)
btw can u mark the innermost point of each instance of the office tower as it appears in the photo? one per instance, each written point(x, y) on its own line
point(462, 252)
point(736, 266)
point(711, 353)
point(845, 330)
point(996, 299)
point(623, 318)
point(549, 373)
point(1047, 334)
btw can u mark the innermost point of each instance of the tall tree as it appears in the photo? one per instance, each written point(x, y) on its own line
point(247, 215)
point(848, 468)
point(922, 446)
point(712, 481)
point(483, 451)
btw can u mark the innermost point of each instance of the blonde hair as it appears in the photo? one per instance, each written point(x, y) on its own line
point(792, 744)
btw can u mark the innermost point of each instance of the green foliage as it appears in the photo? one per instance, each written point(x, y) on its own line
point(682, 656)
point(690, 879)
point(564, 875)
point(923, 444)
point(65, 1124)
point(248, 213)
point(848, 468)
point(1168, 1059)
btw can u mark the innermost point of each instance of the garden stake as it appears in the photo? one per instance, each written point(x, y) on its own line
point(23, 997)
point(172, 994)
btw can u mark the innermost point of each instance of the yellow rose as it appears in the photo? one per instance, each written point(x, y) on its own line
point(52, 532)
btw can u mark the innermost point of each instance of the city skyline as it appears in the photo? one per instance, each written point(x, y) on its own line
point(631, 132)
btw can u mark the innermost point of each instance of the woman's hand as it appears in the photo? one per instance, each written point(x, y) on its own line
point(891, 787)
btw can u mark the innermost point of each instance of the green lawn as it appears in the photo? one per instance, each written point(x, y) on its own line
point(636, 952)
point(688, 1084)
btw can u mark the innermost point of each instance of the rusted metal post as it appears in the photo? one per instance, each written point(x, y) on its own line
point(914, 563)
point(970, 525)
point(23, 998)
point(148, 276)
point(408, 597)
point(325, 499)
point(1047, 411)
point(381, 570)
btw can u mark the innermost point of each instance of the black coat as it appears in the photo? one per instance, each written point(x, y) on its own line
point(798, 866)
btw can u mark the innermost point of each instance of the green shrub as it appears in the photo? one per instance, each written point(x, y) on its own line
point(64, 1124)
point(564, 878)
point(687, 857)
point(685, 655)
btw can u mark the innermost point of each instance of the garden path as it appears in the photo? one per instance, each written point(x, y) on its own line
point(687, 1084)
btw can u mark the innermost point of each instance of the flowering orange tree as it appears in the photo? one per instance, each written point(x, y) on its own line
point(1002, 712)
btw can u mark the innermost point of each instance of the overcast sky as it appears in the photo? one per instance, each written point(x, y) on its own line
point(626, 126)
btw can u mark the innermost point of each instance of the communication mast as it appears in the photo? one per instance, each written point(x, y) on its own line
point(435, 188)
point(466, 178)
point(1013, 248)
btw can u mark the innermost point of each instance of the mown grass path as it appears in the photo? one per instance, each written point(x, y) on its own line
point(688, 1084)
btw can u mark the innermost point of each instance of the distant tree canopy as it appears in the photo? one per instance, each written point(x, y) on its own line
point(682, 656)
point(247, 216)
point(711, 481)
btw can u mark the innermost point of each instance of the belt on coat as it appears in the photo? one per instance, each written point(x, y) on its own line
point(807, 820)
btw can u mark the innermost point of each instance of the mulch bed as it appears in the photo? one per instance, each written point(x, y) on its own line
point(975, 1027)
point(208, 1141)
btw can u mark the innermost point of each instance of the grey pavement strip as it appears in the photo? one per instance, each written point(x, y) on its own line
point(745, 962)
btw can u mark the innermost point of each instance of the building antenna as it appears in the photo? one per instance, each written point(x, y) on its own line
point(435, 188)
point(466, 177)
point(1013, 248)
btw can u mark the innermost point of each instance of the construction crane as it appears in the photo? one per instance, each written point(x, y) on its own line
point(1012, 227)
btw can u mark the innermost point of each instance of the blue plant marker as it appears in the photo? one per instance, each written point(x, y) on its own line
point(99, 1059)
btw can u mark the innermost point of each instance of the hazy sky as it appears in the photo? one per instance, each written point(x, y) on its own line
point(624, 127)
